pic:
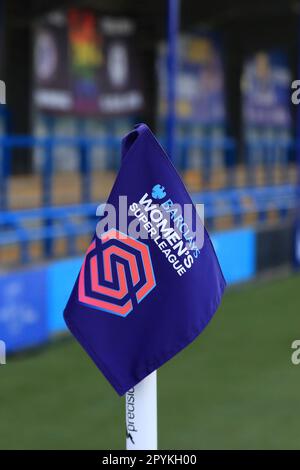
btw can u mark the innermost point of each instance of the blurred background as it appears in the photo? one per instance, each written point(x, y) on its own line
point(79, 74)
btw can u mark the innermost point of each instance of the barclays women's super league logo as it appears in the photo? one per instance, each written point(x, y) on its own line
point(2, 92)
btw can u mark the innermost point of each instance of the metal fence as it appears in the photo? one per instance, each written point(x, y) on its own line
point(240, 193)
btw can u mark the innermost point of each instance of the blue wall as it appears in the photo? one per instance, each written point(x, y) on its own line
point(236, 251)
point(61, 277)
point(32, 300)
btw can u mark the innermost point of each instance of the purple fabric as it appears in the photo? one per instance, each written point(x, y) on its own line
point(130, 308)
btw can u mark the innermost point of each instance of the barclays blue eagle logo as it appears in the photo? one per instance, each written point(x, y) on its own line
point(158, 191)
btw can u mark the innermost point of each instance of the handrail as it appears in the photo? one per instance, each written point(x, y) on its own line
point(59, 221)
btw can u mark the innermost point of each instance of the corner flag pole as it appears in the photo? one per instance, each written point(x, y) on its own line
point(141, 400)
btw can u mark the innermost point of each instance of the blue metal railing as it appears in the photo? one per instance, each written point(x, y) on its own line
point(84, 146)
point(49, 223)
point(205, 147)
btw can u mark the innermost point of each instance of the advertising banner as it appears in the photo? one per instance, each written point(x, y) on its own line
point(265, 87)
point(86, 59)
point(200, 80)
point(120, 80)
point(87, 65)
point(51, 70)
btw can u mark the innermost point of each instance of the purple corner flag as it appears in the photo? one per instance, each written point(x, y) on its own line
point(148, 286)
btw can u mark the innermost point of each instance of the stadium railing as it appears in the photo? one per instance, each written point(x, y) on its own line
point(49, 223)
point(200, 155)
point(46, 224)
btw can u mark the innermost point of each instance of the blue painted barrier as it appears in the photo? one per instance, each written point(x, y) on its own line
point(240, 246)
point(61, 276)
point(23, 310)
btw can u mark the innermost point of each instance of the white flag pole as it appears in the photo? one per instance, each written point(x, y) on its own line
point(141, 415)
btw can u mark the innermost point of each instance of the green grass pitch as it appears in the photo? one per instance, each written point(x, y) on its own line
point(234, 388)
